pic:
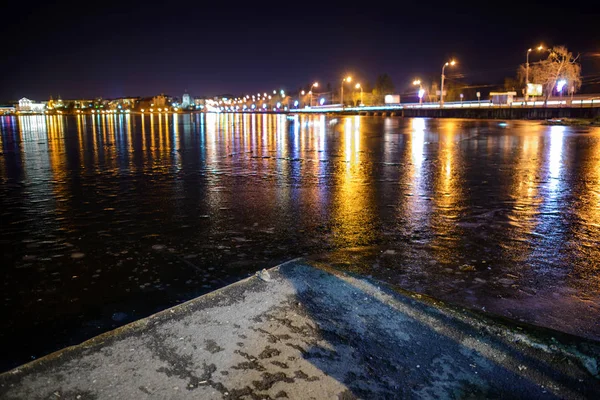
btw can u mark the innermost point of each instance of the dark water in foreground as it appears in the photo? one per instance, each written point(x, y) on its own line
point(108, 219)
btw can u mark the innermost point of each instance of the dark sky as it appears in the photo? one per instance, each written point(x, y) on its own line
point(112, 49)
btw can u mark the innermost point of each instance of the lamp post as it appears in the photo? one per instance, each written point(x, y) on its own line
point(347, 79)
point(539, 48)
point(421, 91)
point(443, 77)
point(316, 84)
point(358, 86)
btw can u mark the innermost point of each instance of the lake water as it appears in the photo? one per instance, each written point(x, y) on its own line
point(107, 219)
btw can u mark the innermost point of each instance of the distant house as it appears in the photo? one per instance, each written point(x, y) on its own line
point(502, 97)
point(83, 103)
point(159, 101)
point(124, 102)
point(29, 106)
point(5, 109)
point(185, 100)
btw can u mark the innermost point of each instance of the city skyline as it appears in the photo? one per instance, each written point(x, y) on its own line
point(143, 50)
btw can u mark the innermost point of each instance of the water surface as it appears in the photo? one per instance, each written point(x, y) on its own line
point(107, 219)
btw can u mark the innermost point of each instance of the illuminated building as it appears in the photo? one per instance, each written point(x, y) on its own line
point(160, 100)
point(83, 103)
point(28, 106)
point(123, 102)
point(185, 100)
point(4, 109)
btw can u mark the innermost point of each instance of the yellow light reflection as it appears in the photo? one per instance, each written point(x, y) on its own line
point(448, 184)
point(586, 210)
point(353, 202)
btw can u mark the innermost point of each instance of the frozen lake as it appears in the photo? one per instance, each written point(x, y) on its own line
point(107, 219)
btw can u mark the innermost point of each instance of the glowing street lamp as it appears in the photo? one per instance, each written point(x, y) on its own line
point(358, 86)
point(443, 77)
point(347, 79)
point(316, 84)
point(539, 48)
point(421, 90)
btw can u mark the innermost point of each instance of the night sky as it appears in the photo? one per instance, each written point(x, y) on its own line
point(113, 49)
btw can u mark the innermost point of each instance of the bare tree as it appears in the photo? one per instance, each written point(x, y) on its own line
point(560, 64)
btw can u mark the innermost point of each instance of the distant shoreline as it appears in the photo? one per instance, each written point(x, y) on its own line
point(572, 116)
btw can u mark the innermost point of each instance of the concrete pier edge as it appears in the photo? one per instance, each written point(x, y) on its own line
point(132, 327)
point(365, 338)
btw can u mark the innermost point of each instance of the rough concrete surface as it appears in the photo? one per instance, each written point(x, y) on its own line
point(303, 331)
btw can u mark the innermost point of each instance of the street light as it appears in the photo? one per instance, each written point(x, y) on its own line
point(358, 86)
point(347, 79)
point(443, 77)
point(421, 91)
point(316, 84)
point(539, 48)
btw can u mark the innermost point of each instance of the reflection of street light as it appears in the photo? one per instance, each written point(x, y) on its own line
point(443, 76)
point(421, 91)
point(358, 86)
point(347, 79)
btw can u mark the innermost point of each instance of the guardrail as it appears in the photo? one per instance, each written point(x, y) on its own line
point(452, 105)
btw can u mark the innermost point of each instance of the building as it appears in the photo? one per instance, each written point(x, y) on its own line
point(159, 101)
point(124, 102)
point(502, 97)
point(29, 106)
point(185, 100)
point(4, 109)
point(83, 103)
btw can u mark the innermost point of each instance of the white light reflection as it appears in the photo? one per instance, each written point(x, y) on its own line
point(555, 162)
point(416, 207)
point(417, 143)
point(348, 141)
point(322, 133)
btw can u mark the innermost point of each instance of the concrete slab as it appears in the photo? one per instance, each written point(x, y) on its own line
point(304, 331)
